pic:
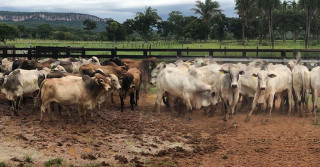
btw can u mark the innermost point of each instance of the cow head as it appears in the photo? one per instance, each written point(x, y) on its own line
point(127, 82)
point(198, 62)
point(54, 64)
point(262, 77)
point(155, 72)
point(153, 63)
point(114, 82)
point(95, 60)
point(233, 71)
point(102, 81)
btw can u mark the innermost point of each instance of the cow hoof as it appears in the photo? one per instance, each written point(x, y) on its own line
point(247, 119)
point(235, 125)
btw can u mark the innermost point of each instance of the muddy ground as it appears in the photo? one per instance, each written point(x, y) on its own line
point(144, 138)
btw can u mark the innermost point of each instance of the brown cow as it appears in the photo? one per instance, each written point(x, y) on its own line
point(145, 66)
point(119, 71)
point(131, 84)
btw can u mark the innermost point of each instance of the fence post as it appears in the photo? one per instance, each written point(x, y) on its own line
point(145, 53)
point(225, 53)
point(187, 51)
point(295, 53)
point(114, 52)
point(257, 53)
point(283, 53)
point(83, 52)
point(211, 54)
point(178, 54)
point(244, 54)
point(5, 52)
point(29, 53)
point(150, 50)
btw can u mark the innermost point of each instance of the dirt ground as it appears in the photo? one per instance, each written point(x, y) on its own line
point(144, 138)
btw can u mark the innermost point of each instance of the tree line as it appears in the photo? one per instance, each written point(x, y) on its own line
point(258, 19)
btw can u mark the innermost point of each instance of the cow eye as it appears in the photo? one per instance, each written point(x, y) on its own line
point(101, 80)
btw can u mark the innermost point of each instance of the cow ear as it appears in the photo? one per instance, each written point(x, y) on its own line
point(17, 71)
point(272, 75)
point(85, 78)
point(223, 71)
point(241, 72)
point(254, 75)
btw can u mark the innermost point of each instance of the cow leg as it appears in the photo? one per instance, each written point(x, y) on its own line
point(254, 104)
point(270, 103)
point(187, 101)
point(137, 96)
point(112, 101)
point(289, 101)
point(81, 115)
point(122, 103)
point(315, 104)
point(132, 100)
point(158, 101)
point(43, 108)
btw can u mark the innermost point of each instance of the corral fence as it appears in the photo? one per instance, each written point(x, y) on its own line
point(274, 55)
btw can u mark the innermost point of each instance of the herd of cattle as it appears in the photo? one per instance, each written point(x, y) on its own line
point(201, 83)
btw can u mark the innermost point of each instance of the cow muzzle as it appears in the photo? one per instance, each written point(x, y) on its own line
point(263, 88)
point(234, 86)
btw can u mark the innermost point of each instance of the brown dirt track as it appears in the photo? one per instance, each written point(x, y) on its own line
point(145, 138)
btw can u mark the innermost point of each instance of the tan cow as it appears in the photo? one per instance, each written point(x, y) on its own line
point(83, 93)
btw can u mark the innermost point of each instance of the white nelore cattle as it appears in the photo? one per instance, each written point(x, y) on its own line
point(301, 86)
point(73, 67)
point(272, 80)
point(230, 89)
point(20, 83)
point(6, 65)
point(84, 93)
point(181, 84)
point(315, 88)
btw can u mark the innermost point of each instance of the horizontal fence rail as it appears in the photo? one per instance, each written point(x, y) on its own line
point(61, 52)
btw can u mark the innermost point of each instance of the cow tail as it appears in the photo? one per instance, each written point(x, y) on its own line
point(37, 99)
point(303, 98)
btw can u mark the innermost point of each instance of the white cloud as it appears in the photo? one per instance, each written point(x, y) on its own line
point(117, 9)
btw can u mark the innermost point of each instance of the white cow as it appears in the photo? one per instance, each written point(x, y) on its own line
point(181, 84)
point(315, 89)
point(272, 80)
point(19, 83)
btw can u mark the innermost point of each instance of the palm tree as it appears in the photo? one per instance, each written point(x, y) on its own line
point(246, 11)
point(268, 7)
point(310, 8)
point(207, 10)
point(144, 22)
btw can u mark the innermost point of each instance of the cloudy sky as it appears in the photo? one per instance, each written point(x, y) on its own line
point(119, 10)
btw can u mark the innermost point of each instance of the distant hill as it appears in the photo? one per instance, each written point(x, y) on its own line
point(32, 19)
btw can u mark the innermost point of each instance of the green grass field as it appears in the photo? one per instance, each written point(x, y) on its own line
point(230, 44)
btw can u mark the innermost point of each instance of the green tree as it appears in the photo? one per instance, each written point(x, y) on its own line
point(7, 32)
point(178, 22)
point(89, 24)
point(246, 10)
point(206, 11)
point(194, 29)
point(44, 31)
point(310, 8)
point(144, 22)
point(268, 7)
point(115, 30)
point(165, 29)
